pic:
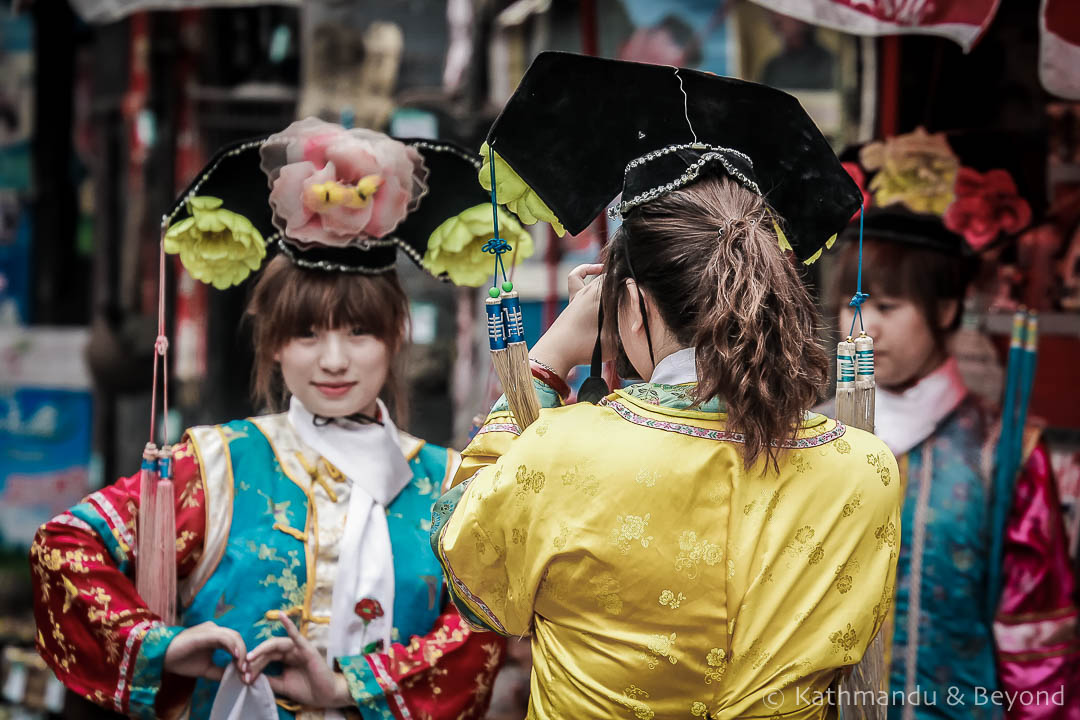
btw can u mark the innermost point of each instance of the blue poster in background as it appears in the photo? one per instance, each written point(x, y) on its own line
point(45, 428)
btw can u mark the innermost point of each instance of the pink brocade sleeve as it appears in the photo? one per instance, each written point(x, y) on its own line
point(1036, 626)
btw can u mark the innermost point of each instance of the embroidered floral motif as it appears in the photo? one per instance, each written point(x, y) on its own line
point(692, 552)
point(770, 506)
point(647, 478)
point(886, 535)
point(671, 600)
point(800, 463)
point(845, 573)
point(518, 536)
point(632, 701)
point(578, 477)
point(843, 641)
point(852, 505)
point(368, 609)
point(660, 647)
point(881, 463)
point(630, 528)
point(699, 709)
point(483, 542)
point(717, 660)
point(606, 587)
point(677, 397)
point(560, 540)
point(527, 481)
point(842, 446)
point(183, 539)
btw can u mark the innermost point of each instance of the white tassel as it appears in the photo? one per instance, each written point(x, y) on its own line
point(845, 381)
point(865, 388)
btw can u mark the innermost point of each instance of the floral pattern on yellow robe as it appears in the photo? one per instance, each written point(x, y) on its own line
point(657, 575)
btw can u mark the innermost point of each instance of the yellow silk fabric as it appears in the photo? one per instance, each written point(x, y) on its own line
point(659, 577)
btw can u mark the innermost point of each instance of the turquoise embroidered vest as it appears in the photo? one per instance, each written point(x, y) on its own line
point(264, 564)
point(949, 651)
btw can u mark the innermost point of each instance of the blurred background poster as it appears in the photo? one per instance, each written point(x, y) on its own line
point(45, 428)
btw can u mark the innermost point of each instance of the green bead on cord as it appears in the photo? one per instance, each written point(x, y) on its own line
point(493, 292)
point(507, 286)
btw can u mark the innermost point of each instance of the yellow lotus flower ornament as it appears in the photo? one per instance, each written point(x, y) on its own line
point(217, 246)
point(511, 191)
point(456, 246)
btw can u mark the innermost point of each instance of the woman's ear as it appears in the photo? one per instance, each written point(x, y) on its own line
point(277, 356)
point(632, 307)
point(947, 312)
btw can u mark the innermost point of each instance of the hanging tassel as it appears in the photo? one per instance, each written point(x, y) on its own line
point(144, 539)
point(163, 560)
point(500, 355)
point(865, 387)
point(861, 686)
point(845, 380)
point(518, 382)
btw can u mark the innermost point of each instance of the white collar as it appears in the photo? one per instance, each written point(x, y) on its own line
point(903, 420)
point(678, 368)
point(369, 455)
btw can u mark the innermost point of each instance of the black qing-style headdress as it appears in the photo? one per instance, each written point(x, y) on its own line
point(337, 200)
point(958, 193)
point(580, 130)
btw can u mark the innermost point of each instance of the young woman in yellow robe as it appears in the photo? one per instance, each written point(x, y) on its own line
point(698, 545)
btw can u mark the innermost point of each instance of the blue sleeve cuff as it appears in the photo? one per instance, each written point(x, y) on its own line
point(364, 687)
point(544, 393)
point(149, 668)
point(117, 548)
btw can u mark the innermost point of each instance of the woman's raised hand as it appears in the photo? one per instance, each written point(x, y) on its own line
point(191, 653)
point(306, 677)
point(570, 339)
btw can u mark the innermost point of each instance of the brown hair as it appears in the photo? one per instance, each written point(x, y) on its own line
point(289, 301)
point(927, 277)
point(709, 258)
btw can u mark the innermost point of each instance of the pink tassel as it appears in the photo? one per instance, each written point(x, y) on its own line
point(162, 569)
point(144, 538)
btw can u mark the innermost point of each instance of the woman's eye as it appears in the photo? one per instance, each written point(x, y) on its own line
point(308, 334)
point(357, 331)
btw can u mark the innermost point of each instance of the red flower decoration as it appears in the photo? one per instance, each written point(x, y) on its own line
point(859, 177)
point(986, 205)
point(368, 609)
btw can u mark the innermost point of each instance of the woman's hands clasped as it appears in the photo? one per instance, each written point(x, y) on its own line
point(306, 677)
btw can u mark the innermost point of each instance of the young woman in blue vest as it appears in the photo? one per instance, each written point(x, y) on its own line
point(301, 536)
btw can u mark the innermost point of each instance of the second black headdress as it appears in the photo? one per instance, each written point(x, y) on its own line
point(579, 130)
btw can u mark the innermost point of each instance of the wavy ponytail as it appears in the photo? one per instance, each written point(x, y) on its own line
point(708, 256)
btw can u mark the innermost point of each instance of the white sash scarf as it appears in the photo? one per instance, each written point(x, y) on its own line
point(370, 457)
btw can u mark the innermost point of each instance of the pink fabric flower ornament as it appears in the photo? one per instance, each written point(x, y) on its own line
point(859, 177)
point(336, 187)
point(986, 205)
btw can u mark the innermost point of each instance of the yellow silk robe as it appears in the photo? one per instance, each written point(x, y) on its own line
point(658, 576)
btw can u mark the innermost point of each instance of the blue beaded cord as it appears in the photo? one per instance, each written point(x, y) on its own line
point(859, 297)
point(496, 245)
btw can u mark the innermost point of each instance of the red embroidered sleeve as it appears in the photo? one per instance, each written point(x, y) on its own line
point(446, 674)
point(90, 621)
point(1035, 629)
